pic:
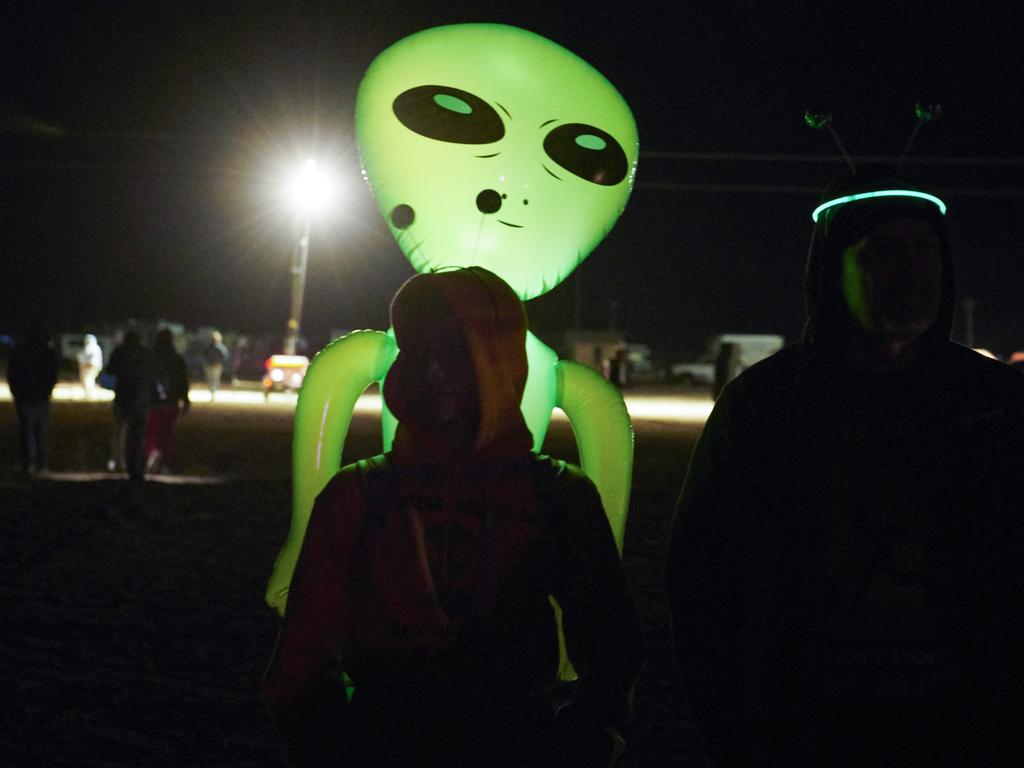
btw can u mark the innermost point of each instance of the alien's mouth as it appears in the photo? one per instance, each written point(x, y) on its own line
point(507, 224)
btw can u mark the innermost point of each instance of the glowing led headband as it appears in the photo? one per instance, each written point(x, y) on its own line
point(880, 193)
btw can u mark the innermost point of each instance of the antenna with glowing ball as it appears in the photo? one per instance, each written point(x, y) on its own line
point(819, 116)
point(926, 111)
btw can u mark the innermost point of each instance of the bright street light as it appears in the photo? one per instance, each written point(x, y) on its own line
point(310, 191)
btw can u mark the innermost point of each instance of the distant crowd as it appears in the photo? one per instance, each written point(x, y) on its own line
point(150, 385)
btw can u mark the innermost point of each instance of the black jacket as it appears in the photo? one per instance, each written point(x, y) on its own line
point(32, 372)
point(135, 369)
point(844, 568)
point(171, 376)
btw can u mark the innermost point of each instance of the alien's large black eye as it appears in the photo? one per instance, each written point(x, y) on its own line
point(588, 152)
point(448, 114)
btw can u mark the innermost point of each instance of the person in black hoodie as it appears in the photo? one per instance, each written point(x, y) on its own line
point(425, 573)
point(844, 568)
point(31, 375)
point(134, 368)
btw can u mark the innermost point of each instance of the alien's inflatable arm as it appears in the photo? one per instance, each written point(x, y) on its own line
point(604, 435)
point(335, 380)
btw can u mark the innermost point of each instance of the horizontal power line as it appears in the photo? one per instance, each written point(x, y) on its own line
point(43, 131)
point(780, 157)
point(180, 170)
point(783, 189)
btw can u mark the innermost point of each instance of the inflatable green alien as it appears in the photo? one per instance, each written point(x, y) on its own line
point(487, 145)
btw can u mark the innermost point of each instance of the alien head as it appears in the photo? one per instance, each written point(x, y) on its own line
point(489, 145)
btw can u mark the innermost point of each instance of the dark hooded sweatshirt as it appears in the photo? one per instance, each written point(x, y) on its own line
point(425, 575)
point(846, 567)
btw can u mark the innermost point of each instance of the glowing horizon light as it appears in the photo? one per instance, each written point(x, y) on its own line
point(879, 193)
point(671, 407)
point(310, 190)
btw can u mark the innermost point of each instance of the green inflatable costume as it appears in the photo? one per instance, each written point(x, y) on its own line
point(487, 145)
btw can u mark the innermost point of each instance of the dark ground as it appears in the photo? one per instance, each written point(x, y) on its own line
point(138, 639)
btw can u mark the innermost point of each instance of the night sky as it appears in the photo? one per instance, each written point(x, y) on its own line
point(138, 143)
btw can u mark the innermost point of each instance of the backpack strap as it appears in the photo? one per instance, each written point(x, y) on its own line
point(375, 475)
point(545, 485)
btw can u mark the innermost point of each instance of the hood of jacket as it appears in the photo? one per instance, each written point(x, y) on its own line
point(491, 321)
point(828, 319)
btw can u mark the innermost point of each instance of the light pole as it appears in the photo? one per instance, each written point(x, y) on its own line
point(299, 262)
point(310, 191)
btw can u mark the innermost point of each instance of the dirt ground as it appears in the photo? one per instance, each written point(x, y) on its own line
point(138, 639)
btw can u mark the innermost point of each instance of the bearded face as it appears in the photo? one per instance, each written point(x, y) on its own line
point(892, 278)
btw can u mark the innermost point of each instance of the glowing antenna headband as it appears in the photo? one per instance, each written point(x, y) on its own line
point(878, 193)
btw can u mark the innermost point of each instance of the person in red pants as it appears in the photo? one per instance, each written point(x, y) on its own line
point(170, 400)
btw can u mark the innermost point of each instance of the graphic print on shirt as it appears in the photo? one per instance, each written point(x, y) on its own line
point(448, 559)
point(879, 498)
point(877, 521)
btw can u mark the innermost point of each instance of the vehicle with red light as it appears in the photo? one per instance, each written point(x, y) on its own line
point(284, 373)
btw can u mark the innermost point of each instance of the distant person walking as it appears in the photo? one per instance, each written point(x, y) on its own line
point(134, 368)
point(239, 357)
point(31, 375)
point(215, 354)
point(90, 363)
point(727, 365)
point(170, 400)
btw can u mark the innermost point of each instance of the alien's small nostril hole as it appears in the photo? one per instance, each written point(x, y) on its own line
point(402, 216)
point(488, 201)
point(526, 202)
